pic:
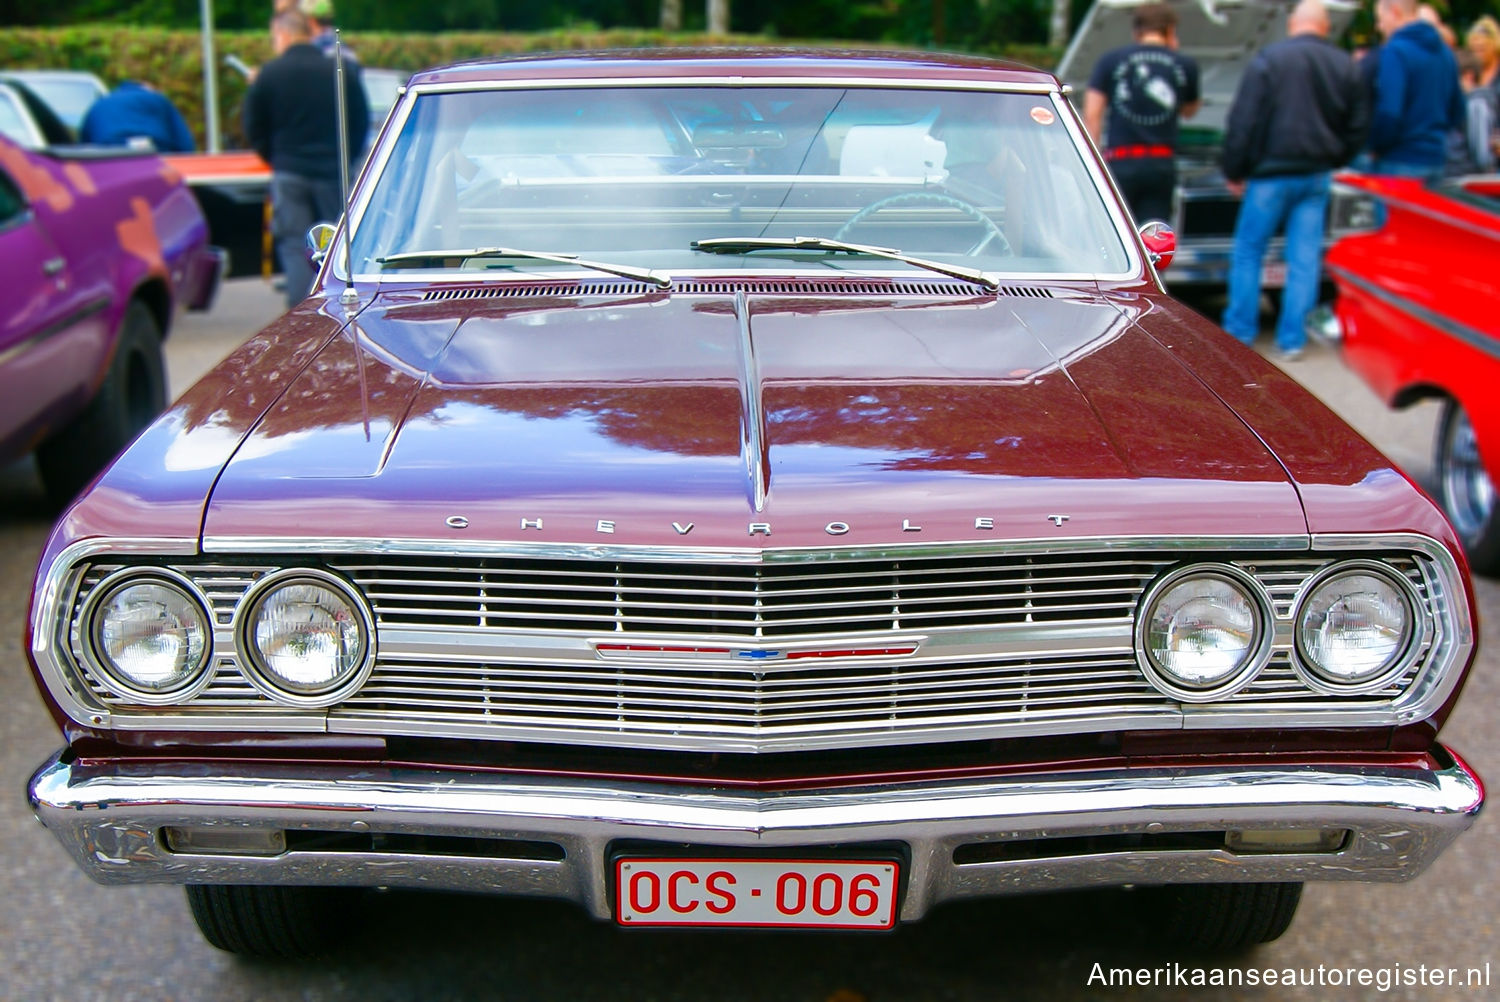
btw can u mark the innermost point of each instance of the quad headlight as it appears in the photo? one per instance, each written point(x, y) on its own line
point(1356, 627)
point(306, 637)
point(149, 634)
point(1204, 632)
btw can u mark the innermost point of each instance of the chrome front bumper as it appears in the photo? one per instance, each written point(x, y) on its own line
point(383, 824)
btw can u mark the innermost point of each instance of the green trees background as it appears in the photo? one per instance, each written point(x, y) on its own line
point(975, 25)
point(979, 25)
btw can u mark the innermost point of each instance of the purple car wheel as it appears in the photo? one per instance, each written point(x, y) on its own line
point(132, 395)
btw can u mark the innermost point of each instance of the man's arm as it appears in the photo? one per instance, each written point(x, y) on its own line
point(1244, 130)
point(1357, 122)
point(256, 119)
point(1390, 97)
point(1094, 103)
point(1192, 96)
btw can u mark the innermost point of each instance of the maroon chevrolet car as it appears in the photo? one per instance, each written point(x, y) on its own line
point(753, 489)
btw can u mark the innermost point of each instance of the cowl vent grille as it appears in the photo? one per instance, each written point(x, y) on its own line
point(619, 290)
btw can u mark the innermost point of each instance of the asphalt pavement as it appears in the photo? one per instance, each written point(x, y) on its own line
point(66, 938)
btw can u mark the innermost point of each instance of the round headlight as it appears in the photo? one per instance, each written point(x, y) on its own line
point(1355, 627)
point(150, 635)
point(1204, 633)
point(307, 637)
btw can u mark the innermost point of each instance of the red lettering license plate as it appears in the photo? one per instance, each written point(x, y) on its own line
point(798, 893)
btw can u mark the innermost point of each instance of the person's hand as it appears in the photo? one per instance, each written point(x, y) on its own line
point(1236, 188)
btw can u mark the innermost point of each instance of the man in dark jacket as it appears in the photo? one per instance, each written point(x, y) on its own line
point(1417, 99)
point(1300, 112)
point(291, 119)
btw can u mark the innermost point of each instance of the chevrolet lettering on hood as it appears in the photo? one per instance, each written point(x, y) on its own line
point(609, 526)
point(759, 489)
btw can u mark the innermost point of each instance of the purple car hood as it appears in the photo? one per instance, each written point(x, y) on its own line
point(689, 420)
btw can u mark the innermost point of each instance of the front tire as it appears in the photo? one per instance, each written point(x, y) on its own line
point(1224, 918)
point(1465, 488)
point(274, 923)
point(133, 393)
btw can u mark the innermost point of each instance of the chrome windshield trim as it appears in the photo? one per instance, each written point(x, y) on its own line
point(375, 166)
point(863, 82)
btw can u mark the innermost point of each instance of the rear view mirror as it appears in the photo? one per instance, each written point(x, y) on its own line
point(738, 136)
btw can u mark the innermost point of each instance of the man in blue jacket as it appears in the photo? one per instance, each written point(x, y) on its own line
point(133, 112)
point(1417, 98)
point(1299, 114)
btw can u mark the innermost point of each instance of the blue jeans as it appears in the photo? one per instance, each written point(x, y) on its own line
point(1298, 201)
point(297, 203)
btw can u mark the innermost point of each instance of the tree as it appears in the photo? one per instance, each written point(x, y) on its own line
point(671, 15)
point(1057, 28)
point(718, 17)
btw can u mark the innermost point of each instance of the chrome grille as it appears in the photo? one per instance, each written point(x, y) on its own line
point(994, 646)
point(762, 602)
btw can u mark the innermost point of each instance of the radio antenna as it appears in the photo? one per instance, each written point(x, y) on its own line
point(349, 297)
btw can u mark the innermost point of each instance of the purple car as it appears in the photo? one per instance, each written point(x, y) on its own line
point(97, 250)
point(748, 489)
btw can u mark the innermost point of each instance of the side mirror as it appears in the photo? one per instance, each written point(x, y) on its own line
point(1160, 241)
point(319, 238)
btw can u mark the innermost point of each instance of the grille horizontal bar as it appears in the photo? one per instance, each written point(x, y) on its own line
point(763, 603)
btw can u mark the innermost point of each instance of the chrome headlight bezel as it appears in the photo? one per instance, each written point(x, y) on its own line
point(1315, 677)
point(251, 664)
point(89, 626)
point(1257, 658)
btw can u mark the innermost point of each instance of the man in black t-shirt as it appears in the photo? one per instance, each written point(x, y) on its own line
point(1145, 87)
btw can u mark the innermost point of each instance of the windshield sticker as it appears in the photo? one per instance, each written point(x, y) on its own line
point(1043, 116)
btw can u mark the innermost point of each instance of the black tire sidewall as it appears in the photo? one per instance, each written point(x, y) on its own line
point(133, 392)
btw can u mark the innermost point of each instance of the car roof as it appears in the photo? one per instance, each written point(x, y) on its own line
point(78, 76)
point(52, 128)
point(757, 64)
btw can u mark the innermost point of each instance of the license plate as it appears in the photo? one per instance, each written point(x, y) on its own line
point(1273, 274)
point(793, 893)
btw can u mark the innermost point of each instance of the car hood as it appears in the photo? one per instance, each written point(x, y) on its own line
point(752, 421)
point(1222, 35)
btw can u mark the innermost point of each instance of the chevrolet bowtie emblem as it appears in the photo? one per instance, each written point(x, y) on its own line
point(757, 654)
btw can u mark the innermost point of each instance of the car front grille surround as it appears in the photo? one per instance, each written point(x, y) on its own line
point(773, 656)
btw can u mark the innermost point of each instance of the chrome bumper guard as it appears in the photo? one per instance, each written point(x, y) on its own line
point(377, 826)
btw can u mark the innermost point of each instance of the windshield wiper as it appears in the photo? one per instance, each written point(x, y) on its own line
point(742, 245)
point(623, 270)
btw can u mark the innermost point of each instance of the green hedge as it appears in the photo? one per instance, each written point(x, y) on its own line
point(173, 60)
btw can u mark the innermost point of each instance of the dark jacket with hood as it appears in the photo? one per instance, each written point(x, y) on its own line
point(1417, 97)
point(1300, 108)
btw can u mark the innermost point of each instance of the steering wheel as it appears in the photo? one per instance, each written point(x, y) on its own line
point(990, 232)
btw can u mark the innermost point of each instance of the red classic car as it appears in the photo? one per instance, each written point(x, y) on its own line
point(97, 249)
point(751, 489)
point(1416, 318)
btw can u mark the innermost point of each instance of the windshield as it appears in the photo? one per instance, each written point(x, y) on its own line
point(992, 181)
point(15, 124)
point(70, 97)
